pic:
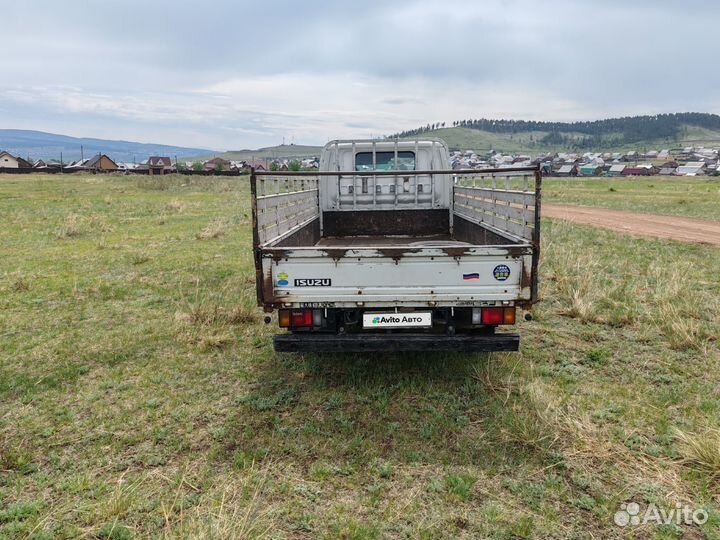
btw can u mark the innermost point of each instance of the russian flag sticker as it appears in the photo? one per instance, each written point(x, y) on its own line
point(471, 276)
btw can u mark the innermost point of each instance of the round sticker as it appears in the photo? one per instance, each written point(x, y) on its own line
point(501, 272)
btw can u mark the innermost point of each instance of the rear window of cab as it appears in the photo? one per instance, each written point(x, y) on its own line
point(385, 161)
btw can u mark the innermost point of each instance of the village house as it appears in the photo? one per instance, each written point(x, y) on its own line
point(640, 170)
point(631, 156)
point(591, 169)
point(49, 165)
point(127, 167)
point(8, 161)
point(668, 168)
point(616, 169)
point(707, 155)
point(100, 163)
point(158, 165)
point(310, 163)
point(692, 168)
point(259, 165)
point(216, 164)
point(78, 165)
point(568, 170)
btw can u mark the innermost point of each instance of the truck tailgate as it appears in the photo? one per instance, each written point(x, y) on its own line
point(368, 277)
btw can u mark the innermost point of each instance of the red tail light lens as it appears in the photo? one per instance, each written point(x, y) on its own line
point(498, 315)
point(492, 315)
point(301, 318)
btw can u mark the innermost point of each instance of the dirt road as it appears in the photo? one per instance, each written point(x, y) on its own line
point(677, 228)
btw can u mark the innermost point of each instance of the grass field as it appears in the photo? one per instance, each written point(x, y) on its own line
point(140, 396)
point(665, 195)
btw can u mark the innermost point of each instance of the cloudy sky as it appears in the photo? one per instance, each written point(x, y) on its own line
point(231, 74)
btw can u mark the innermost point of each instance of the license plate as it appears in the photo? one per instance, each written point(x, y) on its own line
point(397, 320)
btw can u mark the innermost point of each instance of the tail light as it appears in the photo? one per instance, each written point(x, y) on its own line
point(493, 316)
point(299, 318)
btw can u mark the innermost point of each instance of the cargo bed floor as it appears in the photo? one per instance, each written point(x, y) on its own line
point(376, 241)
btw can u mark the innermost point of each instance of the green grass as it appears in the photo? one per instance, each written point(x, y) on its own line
point(665, 195)
point(460, 138)
point(140, 396)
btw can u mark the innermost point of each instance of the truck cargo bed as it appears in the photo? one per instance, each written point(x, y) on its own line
point(408, 232)
point(389, 240)
point(325, 240)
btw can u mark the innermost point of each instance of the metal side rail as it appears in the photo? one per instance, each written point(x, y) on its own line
point(395, 342)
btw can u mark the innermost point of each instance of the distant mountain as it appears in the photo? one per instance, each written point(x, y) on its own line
point(288, 151)
point(41, 145)
point(615, 134)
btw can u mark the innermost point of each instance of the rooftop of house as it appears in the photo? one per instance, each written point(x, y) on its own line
point(158, 161)
point(96, 160)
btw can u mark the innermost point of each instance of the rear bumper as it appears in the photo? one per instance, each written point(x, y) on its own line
point(395, 342)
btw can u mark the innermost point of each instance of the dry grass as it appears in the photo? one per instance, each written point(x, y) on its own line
point(71, 227)
point(75, 225)
point(582, 296)
point(679, 311)
point(213, 231)
point(237, 511)
point(14, 457)
point(595, 289)
point(700, 451)
point(179, 182)
point(19, 282)
point(97, 223)
point(136, 405)
point(536, 418)
point(682, 330)
point(208, 309)
point(575, 282)
point(209, 318)
point(176, 206)
point(568, 437)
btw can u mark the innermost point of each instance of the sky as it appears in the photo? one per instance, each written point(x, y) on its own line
point(233, 74)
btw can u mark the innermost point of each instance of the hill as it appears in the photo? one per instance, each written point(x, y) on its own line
point(616, 134)
point(41, 145)
point(271, 152)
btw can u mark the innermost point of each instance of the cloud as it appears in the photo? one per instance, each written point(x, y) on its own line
point(238, 74)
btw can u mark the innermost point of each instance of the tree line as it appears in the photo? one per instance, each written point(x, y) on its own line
point(588, 134)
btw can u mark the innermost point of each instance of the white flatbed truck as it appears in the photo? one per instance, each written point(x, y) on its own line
point(385, 248)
